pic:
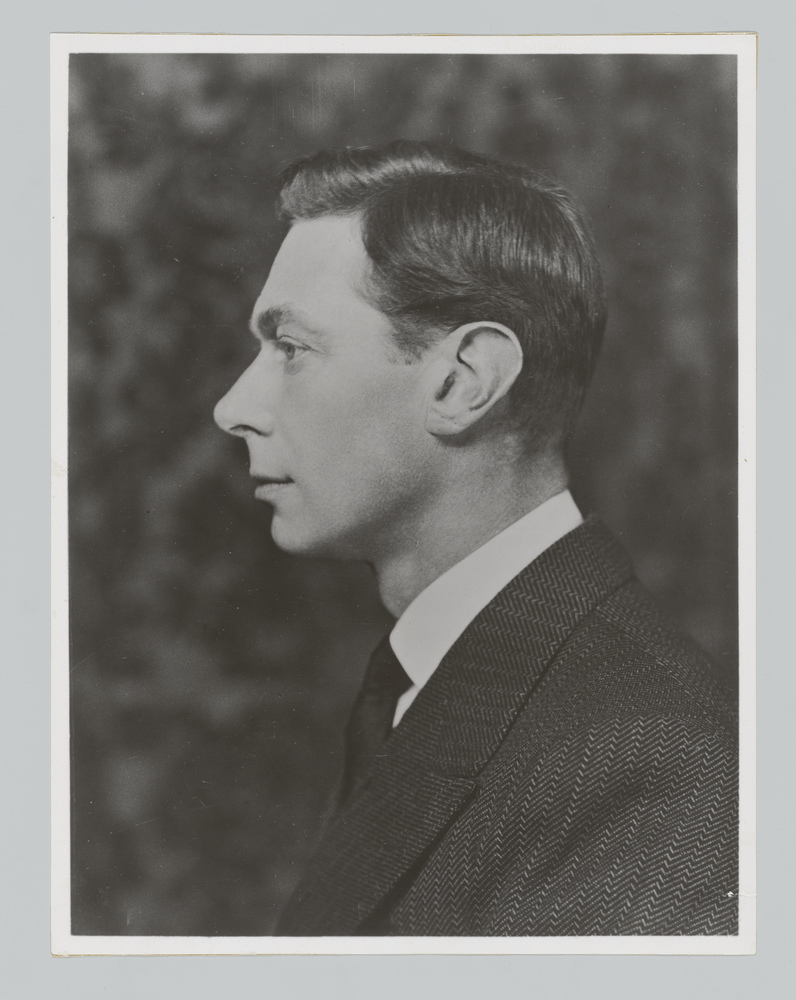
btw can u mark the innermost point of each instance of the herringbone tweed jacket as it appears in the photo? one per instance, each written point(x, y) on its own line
point(569, 769)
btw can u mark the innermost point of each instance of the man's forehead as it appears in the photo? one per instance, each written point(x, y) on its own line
point(326, 249)
point(319, 273)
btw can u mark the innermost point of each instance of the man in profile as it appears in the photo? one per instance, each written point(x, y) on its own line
point(535, 750)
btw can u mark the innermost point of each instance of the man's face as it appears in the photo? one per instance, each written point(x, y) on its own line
point(333, 417)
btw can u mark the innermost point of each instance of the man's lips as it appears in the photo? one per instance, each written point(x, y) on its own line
point(267, 486)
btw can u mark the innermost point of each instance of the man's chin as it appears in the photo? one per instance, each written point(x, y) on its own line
point(295, 543)
point(286, 540)
point(303, 544)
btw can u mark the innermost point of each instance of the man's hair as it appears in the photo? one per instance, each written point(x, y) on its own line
point(456, 238)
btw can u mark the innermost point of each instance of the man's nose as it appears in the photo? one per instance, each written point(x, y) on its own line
point(243, 409)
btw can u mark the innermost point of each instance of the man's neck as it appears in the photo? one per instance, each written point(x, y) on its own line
point(461, 522)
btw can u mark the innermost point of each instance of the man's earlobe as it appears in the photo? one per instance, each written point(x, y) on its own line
point(478, 364)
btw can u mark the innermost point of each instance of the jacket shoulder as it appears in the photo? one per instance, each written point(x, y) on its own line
point(626, 658)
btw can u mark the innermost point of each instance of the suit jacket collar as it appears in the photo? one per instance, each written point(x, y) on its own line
point(431, 761)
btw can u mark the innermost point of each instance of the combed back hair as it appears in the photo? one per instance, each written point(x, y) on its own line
point(456, 238)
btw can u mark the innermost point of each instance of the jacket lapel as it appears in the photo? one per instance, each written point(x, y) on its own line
point(370, 845)
point(430, 764)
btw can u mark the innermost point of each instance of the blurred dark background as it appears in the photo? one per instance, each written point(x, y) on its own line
point(211, 674)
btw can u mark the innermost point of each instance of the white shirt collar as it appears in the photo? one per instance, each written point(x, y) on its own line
point(438, 615)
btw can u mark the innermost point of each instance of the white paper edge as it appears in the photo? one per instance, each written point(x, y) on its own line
point(63, 942)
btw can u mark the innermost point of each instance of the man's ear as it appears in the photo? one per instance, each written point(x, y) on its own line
point(476, 366)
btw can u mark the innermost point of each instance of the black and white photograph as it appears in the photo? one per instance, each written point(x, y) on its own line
point(403, 587)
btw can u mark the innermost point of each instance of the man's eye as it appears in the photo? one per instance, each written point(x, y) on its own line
point(287, 347)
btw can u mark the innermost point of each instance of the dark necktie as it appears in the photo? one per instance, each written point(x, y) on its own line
point(371, 717)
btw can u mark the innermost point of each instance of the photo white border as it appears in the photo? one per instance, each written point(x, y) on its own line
point(744, 45)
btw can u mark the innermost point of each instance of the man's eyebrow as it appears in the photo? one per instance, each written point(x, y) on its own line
point(266, 323)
